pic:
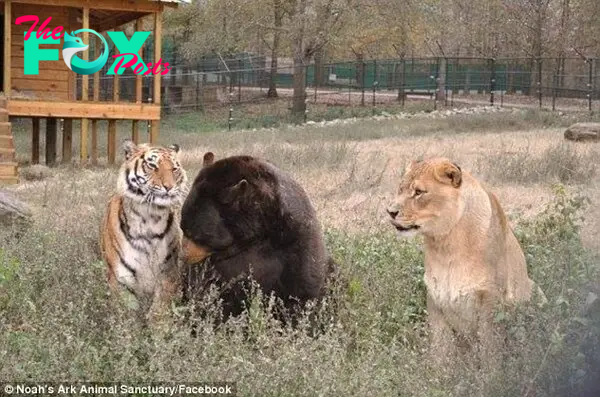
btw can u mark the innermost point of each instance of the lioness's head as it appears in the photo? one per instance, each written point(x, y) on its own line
point(428, 198)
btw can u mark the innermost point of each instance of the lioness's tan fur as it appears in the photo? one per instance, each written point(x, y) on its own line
point(472, 259)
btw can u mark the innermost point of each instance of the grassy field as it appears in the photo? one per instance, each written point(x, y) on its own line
point(57, 322)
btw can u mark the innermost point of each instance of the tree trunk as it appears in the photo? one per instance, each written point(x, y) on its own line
point(299, 84)
point(299, 78)
point(278, 16)
point(319, 68)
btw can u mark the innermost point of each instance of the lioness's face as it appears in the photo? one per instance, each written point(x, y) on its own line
point(428, 198)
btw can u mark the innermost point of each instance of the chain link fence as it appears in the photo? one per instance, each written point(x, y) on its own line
point(241, 84)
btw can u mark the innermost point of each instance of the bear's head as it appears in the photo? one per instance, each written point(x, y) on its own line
point(232, 202)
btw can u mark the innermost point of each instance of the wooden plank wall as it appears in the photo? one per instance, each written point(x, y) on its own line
point(55, 80)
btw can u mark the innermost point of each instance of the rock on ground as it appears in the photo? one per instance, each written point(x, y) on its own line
point(14, 214)
point(583, 132)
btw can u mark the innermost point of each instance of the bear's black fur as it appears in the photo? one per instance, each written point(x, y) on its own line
point(258, 223)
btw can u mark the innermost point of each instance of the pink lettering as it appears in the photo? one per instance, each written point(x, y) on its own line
point(28, 18)
point(43, 29)
point(129, 63)
point(57, 33)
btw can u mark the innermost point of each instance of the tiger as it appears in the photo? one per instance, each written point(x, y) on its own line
point(140, 238)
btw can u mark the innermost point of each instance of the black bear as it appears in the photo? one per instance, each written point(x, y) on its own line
point(244, 219)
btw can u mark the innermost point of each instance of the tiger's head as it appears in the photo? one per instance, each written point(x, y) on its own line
point(152, 174)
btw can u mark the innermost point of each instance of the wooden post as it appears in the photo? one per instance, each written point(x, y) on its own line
point(51, 133)
point(116, 80)
point(135, 124)
point(35, 140)
point(135, 131)
point(96, 98)
point(85, 91)
point(7, 47)
point(138, 78)
point(112, 140)
point(67, 143)
point(154, 129)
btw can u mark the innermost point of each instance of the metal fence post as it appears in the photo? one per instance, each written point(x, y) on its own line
point(446, 81)
point(230, 119)
point(539, 82)
point(403, 82)
point(492, 79)
point(454, 86)
point(436, 80)
point(590, 84)
point(375, 83)
point(315, 80)
point(554, 89)
point(362, 77)
point(239, 77)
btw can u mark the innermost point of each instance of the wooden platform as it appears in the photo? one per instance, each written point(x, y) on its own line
point(8, 167)
point(89, 110)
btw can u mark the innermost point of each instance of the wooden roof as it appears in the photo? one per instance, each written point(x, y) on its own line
point(106, 19)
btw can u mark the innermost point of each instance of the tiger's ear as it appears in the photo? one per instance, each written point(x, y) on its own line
point(129, 147)
point(175, 147)
point(208, 160)
point(450, 173)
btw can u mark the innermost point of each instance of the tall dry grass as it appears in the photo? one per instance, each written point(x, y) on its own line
point(58, 323)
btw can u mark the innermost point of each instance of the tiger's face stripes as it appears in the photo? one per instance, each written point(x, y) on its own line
point(152, 174)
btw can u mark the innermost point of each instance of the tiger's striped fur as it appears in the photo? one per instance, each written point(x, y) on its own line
point(140, 239)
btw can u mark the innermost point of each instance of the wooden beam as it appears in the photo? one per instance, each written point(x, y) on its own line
point(94, 142)
point(155, 124)
point(135, 131)
point(83, 143)
point(94, 157)
point(85, 94)
point(96, 92)
point(67, 141)
point(85, 85)
point(113, 21)
point(51, 135)
point(115, 5)
point(139, 83)
point(7, 47)
point(90, 110)
point(154, 131)
point(157, 53)
point(112, 140)
point(35, 140)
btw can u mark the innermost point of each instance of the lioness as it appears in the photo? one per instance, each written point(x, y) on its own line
point(472, 259)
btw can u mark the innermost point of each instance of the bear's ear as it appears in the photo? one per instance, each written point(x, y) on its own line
point(129, 147)
point(449, 173)
point(208, 160)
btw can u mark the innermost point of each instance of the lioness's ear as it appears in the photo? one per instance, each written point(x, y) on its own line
point(129, 147)
point(410, 165)
point(209, 159)
point(448, 172)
